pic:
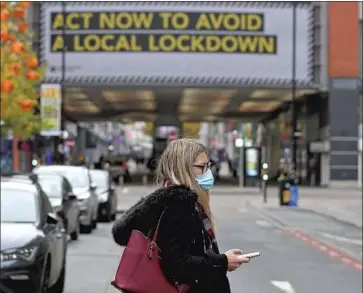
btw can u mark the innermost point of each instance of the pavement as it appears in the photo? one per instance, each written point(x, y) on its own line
point(302, 250)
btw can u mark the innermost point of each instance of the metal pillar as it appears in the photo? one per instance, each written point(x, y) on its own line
point(59, 140)
point(293, 92)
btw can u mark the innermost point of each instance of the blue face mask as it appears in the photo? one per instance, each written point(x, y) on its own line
point(206, 180)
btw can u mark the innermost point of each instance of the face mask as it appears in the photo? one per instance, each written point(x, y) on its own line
point(206, 180)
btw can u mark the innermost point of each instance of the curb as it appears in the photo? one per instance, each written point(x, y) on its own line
point(328, 216)
point(344, 257)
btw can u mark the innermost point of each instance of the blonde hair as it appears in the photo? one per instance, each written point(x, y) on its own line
point(176, 166)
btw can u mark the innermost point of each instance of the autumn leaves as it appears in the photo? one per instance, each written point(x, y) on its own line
point(20, 70)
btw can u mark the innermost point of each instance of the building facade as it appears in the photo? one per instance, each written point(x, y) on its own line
point(243, 45)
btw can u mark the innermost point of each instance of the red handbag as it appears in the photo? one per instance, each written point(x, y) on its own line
point(139, 269)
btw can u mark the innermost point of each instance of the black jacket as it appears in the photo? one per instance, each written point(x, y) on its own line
point(183, 256)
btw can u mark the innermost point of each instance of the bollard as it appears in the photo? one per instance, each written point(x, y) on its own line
point(144, 179)
point(264, 190)
point(294, 194)
point(264, 180)
point(121, 180)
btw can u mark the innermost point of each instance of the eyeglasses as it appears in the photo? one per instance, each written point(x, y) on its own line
point(204, 167)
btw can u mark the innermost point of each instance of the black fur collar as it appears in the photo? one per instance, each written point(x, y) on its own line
point(145, 212)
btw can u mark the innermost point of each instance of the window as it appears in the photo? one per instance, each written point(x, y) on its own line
point(18, 206)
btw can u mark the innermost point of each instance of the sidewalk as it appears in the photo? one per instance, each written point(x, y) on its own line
point(344, 206)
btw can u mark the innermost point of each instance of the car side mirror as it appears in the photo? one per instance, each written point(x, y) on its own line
point(61, 214)
point(52, 219)
point(71, 196)
point(93, 186)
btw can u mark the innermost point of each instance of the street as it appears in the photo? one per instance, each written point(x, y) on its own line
point(301, 251)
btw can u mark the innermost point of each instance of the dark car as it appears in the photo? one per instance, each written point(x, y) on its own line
point(63, 201)
point(83, 188)
point(33, 240)
point(107, 199)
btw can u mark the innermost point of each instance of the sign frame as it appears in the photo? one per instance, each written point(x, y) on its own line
point(51, 98)
point(197, 69)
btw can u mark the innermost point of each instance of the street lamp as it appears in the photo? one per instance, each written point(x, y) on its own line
point(294, 133)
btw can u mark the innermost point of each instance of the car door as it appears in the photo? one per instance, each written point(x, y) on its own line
point(56, 234)
point(73, 210)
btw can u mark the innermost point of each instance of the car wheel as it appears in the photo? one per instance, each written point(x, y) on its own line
point(75, 233)
point(113, 217)
point(58, 287)
point(44, 285)
point(86, 229)
point(94, 224)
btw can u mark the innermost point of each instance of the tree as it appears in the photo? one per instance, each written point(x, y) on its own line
point(20, 72)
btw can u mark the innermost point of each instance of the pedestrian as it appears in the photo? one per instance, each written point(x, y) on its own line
point(189, 252)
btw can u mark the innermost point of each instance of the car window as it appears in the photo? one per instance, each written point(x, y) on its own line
point(100, 178)
point(67, 186)
point(18, 206)
point(47, 208)
point(52, 186)
point(78, 177)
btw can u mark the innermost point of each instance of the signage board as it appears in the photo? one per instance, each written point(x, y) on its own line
point(252, 162)
point(51, 109)
point(217, 42)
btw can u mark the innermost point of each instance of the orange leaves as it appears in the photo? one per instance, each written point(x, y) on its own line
point(4, 34)
point(20, 71)
point(15, 69)
point(17, 47)
point(4, 14)
point(19, 12)
point(7, 86)
point(22, 26)
point(25, 4)
point(26, 105)
point(32, 63)
point(32, 75)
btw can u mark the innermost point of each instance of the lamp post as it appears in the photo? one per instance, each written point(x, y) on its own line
point(59, 145)
point(294, 117)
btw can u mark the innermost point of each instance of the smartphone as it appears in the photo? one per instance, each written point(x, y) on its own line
point(251, 255)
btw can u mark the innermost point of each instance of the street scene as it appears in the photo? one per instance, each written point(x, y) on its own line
point(242, 121)
point(329, 261)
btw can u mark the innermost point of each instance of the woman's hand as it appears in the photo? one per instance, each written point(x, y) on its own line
point(235, 259)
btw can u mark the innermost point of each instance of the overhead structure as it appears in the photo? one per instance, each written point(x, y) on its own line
point(200, 61)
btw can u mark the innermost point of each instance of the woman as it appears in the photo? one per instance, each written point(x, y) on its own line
point(189, 250)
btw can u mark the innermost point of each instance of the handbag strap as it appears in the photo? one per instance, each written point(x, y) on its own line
point(156, 233)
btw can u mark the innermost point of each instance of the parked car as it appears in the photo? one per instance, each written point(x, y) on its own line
point(80, 179)
point(33, 240)
point(63, 201)
point(107, 198)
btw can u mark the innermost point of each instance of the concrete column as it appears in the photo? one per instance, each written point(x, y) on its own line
point(344, 118)
point(167, 113)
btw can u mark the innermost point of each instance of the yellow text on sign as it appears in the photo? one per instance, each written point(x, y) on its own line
point(52, 93)
point(250, 44)
point(127, 20)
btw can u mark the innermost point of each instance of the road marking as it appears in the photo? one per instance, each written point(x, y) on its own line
point(345, 259)
point(263, 223)
point(343, 239)
point(324, 247)
point(125, 190)
point(284, 286)
point(242, 210)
